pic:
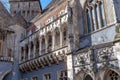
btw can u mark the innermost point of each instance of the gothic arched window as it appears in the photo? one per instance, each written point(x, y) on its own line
point(95, 15)
point(102, 14)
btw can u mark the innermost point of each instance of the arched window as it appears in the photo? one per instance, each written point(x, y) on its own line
point(88, 21)
point(102, 15)
point(95, 16)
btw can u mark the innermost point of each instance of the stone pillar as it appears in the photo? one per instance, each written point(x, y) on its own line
point(61, 38)
point(24, 53)
point(34, 48)
point(70, 68)
point(29, 51)
point(53, 40)
point(40, 46)
point(46, 44)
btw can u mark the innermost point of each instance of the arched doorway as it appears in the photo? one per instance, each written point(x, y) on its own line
point(112, 75)
point(88, 77)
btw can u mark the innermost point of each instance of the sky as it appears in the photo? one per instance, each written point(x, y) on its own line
point(44, 3)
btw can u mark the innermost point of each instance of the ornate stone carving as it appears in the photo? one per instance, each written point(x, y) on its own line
point(82, 60)
point(105, 54)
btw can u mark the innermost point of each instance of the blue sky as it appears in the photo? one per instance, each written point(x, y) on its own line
point(43, 2)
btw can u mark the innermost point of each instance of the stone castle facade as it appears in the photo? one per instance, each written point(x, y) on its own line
point(68, 40)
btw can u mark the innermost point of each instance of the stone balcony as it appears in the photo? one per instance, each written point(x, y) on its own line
point(47, 59)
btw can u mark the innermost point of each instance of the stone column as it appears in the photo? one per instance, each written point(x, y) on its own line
point(24, 53)
point(46, 44)
point(34, 48)
point(61, 38)
point(53, 40)
point(29, 51)
point(40, 46)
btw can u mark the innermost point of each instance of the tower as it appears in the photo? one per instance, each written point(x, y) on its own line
point(27, 8)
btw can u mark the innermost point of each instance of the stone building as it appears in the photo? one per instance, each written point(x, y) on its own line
point(44, 47)
point(68, 40)
point(98, 55)
point(27, 8)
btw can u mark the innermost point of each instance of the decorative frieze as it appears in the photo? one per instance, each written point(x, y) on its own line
point(94, 59)
point(105, 54)
point(82, 61)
